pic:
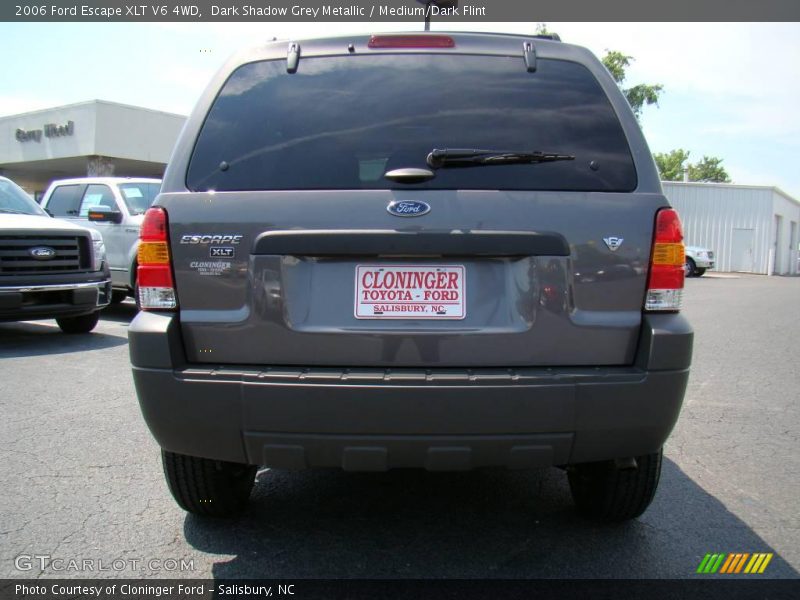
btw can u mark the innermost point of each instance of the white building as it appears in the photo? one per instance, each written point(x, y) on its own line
point(88, 138)
point(751, 229)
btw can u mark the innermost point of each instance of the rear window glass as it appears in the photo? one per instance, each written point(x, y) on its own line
point(342, 122)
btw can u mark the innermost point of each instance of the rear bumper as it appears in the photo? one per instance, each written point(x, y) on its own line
point(20, 302)
point(443, 419)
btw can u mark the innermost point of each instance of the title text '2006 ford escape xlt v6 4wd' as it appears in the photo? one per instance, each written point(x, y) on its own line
point(421, 250)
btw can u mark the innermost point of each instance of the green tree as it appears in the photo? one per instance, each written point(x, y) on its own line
point(672, 164)
point(709, 169)
point(638, 96)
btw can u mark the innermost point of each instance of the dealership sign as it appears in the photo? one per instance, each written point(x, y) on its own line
point(49, 130)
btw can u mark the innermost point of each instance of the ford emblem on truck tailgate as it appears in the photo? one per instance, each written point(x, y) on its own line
point(42, 252)
point(408, 208)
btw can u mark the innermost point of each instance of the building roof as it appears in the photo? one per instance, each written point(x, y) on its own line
point(772, 188)
point(89, 102)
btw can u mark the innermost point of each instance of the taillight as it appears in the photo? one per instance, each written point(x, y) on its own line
point(665, 283)
point(154, 273)
point(411, 41)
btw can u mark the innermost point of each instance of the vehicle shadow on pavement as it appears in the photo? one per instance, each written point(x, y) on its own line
point(483, 524)
point(39, 339)
point(124, 312)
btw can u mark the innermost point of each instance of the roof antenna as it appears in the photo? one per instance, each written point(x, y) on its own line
point(441, 4)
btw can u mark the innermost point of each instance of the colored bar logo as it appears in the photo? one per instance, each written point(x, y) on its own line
point(735, 562)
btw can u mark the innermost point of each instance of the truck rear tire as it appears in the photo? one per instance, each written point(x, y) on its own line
point(603, 491)
point(81, 324)
point(208, 487)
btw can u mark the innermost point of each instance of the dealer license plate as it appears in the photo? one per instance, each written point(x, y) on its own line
point(410, 292)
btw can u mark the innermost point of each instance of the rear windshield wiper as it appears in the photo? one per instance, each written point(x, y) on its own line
point(464, 157)
point(14, 211)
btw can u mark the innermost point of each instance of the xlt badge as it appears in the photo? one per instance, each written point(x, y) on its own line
point(222, 252)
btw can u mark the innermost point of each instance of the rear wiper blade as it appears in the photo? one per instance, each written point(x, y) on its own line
point(14, 211)
point(465, 157)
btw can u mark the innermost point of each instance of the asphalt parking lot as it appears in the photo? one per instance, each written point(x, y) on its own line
point(80, 476)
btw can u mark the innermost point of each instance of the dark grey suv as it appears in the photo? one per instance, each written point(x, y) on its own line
point(420, 250)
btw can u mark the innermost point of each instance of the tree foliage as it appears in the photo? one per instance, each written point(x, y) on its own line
point(671, 165)
point(709, 169)
point(638, 96)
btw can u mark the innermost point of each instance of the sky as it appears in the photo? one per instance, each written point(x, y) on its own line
point(731, 90)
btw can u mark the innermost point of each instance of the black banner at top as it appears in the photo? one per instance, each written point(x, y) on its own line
point(397, 10)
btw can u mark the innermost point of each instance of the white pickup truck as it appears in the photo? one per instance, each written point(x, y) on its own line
point(113, 206)
point(698, 260)
point(49, 268)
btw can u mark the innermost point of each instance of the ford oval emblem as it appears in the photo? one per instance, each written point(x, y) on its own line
point(42, 252)
point(408, 208)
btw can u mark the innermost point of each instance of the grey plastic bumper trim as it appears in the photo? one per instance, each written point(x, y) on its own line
point(439, 419)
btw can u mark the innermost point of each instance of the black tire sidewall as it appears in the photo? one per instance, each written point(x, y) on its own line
point(603, 492)
point(79, 324)
point(690, 267)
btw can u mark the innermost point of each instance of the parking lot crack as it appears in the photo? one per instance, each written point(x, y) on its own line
point(18, 529)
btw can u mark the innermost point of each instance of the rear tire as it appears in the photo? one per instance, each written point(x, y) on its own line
point(603, 491)
point(82, 324)
point(118, 296)
point(208, 487)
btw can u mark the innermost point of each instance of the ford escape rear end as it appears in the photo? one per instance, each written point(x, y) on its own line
point(421, 250)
